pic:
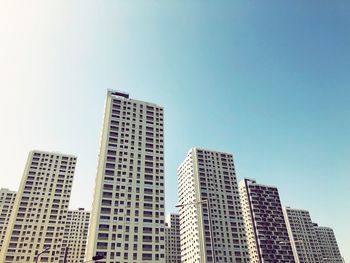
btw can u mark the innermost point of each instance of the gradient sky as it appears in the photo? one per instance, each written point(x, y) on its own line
point(268, 81)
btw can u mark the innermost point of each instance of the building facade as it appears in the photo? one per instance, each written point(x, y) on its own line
point(75, 235)
point(7, 199)
point(302, 236)
point(127, 222)
point(211, 223)
point(172, 239)
point(330, 252)
point(266, 229)
point(40, 209)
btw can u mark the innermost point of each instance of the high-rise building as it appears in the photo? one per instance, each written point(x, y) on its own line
point(127, 222)
point(7, 199)
point(40, 209)
point(266, 229)
point(172, 239)
point(330, 252)
point(302, 236)
point(211, 223)
point(75, 235)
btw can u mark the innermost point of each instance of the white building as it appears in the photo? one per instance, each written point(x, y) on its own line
point(302, 236)
point(40, 208)
point(328, 245)
point(266, 229)
point(75, 235)
point(127, 223)
point(172, 238)
point(213, 230)
point(7, 199)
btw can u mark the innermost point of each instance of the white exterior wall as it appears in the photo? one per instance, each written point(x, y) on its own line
point(210, 175)
point(302, 236)
point(249, 225)
point(7, 199)
point(127, 223)
point(40, 208)
point(75, 235)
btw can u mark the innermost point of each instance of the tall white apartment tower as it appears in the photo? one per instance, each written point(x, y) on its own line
point(266, 229)
point(302, 236)
point(211, 222)
point(172, 238)
point(40, 209)
point(7, 199)
point(75, 235)
point(127, 222)
point(330, 252)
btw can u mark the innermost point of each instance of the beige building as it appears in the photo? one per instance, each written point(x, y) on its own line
point(302, 236)
point(127, 223)
point(172, 238)
point(40, 208)
point(75, 235)
point(211, 222)
point(266, 229)
point(330, 252)
point(7, 199)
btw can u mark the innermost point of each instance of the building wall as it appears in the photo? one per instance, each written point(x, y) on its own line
point(302, 236)
point(75, 235)
point(172, 239)
point(267, 233)
point(249, 226)
point(7, 199)
point(210, 175)
point(40, 209)
point(127, 223)
point(328, 245)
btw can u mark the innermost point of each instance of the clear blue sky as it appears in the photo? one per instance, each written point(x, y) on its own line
point(267, 80)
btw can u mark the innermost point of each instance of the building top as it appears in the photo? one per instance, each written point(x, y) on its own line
point(201, 149)
point(7, 190)
point(295, 209)
point(118, 93)
point(170, 215)
point(324, 227)
point(53, 152)
point(126, 95)
point(208, 150)
point(174, 214)
point(253, 181)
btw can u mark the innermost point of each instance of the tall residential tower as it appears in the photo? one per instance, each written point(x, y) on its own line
point(40, 209)
point(302, 236)
point(211, 222)
point(172, 239)
point(75, 235)
point(330, 252)
point(127, 222)
point(266, 229)
point(7, 199)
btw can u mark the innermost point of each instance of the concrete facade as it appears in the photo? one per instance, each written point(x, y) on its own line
point(40, 208)
point(212, 230)
point(172, 239)
point(328, 245)
point(7, 199)
point(266, 229)
point(302, 236)
point(127, 222)
point(75, 235)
